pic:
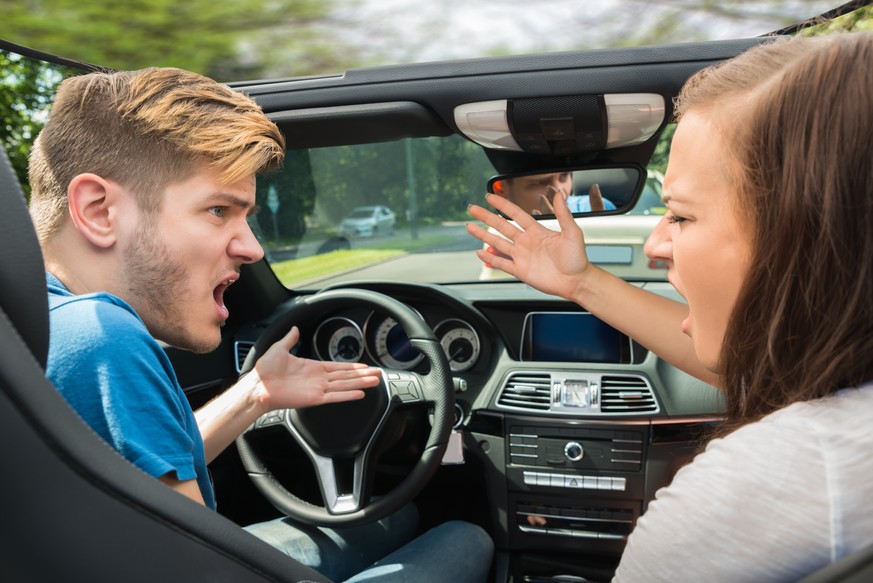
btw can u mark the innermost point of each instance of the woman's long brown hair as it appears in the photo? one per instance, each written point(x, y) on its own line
point(798, 119)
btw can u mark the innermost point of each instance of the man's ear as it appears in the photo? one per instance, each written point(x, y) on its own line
point(92, 200)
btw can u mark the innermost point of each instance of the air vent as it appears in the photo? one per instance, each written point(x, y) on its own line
point(241, 351)
point(531, 391)
point(626, 395)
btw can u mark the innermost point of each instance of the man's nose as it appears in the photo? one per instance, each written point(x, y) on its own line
point(245, 246)
point(556, 183)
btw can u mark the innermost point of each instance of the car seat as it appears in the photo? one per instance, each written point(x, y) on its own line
point(74, 509)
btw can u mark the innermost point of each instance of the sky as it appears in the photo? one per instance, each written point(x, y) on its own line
point(412, 30)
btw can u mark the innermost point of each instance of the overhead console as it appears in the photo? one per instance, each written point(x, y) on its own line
point(563, 125)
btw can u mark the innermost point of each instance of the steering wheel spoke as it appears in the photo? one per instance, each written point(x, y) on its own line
point(333, 477)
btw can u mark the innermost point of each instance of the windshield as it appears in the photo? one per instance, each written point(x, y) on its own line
point(408, 201)
point(388, 211)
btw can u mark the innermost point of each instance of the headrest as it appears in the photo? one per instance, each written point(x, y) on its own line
point(23, 294)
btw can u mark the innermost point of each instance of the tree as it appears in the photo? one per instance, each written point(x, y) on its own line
point(857, 21)
point(224, 40)
point(219, 39)
point(27, 88)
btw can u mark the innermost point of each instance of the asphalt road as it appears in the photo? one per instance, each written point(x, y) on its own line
point(439, 266)
point(455, 261)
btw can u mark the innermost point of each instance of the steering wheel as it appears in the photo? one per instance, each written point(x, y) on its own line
point(339, 438)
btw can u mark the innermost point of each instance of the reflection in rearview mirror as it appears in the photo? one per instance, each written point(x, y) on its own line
point(587, 190)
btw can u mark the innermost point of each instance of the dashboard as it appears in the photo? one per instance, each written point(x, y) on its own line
point(573, 425)
point(516, 350)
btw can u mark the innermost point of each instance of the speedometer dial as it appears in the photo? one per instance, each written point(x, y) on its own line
point(346, 345)
point(460, 343)
point(339, 340)
point(392, 346)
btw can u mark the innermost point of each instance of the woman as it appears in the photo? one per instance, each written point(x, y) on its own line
point(769, 238)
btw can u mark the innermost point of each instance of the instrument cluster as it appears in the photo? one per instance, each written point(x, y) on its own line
point(379, 339)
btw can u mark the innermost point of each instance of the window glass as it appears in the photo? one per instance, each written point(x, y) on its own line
point(394, 210)
point(397, 211)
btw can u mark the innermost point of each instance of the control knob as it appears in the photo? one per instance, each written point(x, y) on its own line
point(573, 451)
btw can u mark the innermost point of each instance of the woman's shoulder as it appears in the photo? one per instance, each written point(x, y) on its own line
point(802, 443)
point(830, 434)
point(846, 412)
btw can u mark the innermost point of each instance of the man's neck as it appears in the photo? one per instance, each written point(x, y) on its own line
point(81, 270)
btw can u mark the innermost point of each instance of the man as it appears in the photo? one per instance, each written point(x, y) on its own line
point(535, 193)
point(141, 186)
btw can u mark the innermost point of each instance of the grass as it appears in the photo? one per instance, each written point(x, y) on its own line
point(294, 272)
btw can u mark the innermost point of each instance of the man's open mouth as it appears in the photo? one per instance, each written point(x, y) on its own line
point(218, 295)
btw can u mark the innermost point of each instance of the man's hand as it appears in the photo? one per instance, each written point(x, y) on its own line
point(279, 381)
point(595, 198)
point(550, 261)
point(291, 382)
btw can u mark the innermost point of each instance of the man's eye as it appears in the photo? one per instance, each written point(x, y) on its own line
point(217, 211)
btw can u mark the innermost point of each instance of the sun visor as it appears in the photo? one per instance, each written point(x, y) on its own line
point(562, 125)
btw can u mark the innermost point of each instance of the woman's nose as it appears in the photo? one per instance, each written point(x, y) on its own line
point(659, 245)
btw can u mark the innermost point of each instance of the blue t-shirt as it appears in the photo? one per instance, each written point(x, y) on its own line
point(582, 203)
point(109, 368)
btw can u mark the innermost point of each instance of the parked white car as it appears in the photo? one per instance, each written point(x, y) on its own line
point(367, 221)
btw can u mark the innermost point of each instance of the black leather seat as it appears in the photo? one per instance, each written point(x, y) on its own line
point(73, 509)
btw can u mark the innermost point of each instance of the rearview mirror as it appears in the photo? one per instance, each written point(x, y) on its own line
point(618, 188)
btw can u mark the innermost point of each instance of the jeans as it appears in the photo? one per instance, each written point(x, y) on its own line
point(385, 551)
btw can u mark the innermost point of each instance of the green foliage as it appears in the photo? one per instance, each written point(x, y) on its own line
point(27, 88)
point(213, 38)
point(856, 21)
point(295, 190)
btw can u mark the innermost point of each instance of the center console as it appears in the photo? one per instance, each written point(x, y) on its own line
point(573, 486)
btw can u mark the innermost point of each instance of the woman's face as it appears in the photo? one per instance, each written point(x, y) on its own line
point(701, 237)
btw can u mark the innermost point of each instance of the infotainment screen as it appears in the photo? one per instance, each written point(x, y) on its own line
point(572, 337)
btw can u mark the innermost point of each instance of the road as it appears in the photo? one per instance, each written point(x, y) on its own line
point(455, 261)
point(438, 266)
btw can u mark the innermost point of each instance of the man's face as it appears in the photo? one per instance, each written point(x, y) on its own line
point(180, 260)
point(534, 193)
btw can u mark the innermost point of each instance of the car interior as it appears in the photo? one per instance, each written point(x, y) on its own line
point(502, 406)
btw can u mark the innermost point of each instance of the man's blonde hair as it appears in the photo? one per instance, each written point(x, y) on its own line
point(145, 130)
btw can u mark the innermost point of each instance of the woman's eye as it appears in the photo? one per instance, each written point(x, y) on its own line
point(673, 219)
